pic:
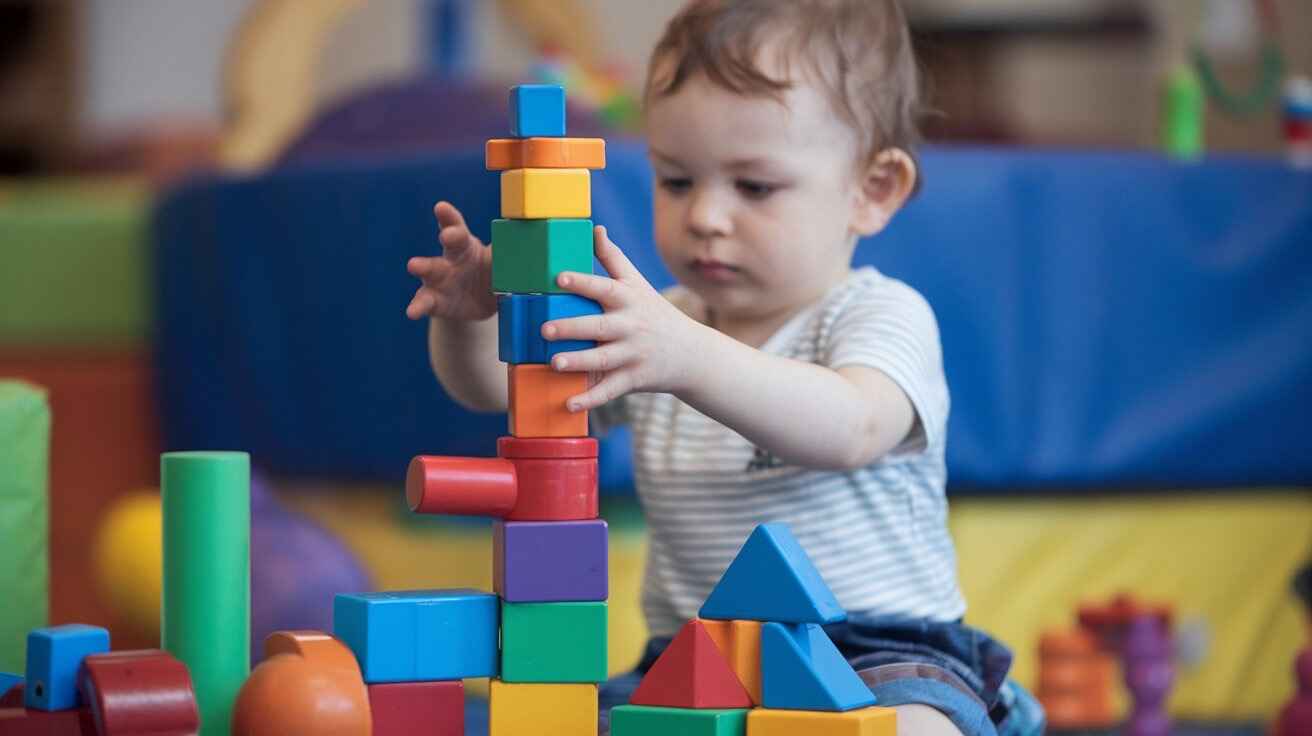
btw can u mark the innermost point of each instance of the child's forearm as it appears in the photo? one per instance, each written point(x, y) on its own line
point(803, 413)
point(464, 356)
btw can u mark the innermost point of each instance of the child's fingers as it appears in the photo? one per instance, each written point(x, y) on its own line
point(598, 327)
point(421, 304)
point(419, 266)
point(599, 359)
point(613, 386)
point(607, 291)
point(447, 215)
point(612, 258)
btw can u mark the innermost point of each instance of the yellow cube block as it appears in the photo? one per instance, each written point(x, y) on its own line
point(540, 194)
point(740, 643)
point(872, 721)
point(516, 709)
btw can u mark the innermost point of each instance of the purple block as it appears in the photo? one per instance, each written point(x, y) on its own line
point(550, 561)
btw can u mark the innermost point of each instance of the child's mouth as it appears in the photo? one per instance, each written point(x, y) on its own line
point(714, 271)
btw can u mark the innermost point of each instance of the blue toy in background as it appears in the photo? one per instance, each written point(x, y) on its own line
point(54, 656)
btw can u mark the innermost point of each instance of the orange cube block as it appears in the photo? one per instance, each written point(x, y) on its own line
point(537, 401)
point(545, 153)
point(740, 643)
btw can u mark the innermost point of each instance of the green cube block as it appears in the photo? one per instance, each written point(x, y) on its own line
point(553, 642)
point(645, 720)
point(527, 255)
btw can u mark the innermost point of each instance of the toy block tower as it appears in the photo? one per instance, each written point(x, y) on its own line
point(758, 642)
point(550, 561)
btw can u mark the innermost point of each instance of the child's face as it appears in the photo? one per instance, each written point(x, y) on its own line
point(754, 200)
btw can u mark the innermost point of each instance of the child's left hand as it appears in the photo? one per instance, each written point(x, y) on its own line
point(647, 343)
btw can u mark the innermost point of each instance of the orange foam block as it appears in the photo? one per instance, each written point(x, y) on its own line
point(691, 673)
point(545, 153)
point(537, 402)
point(740, 643)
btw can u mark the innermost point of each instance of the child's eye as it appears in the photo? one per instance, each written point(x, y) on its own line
point(755, 189)
point(676, 185)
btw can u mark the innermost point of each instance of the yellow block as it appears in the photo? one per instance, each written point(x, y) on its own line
point(740, 643)
point(516, 709)
point(872, 721)
point(540, 194)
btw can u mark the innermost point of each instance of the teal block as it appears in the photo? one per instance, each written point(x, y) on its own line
point(54, 656)
point(419, 635)
point(772, 579)
point(537, 110)
point(801, 669)
point(553, 642)
point(646, 720)
point(528, 255)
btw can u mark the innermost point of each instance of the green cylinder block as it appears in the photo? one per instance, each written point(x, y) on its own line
point(24, 517)
point(205, 619)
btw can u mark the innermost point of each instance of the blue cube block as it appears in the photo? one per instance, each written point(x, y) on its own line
point(54, 656)
point(537, 110)
point(420, 635)
point(519, 325)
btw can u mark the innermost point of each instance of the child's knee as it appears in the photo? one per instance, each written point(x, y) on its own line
point(922, 720)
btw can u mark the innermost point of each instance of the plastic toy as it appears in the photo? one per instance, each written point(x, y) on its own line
point(519, 325)
point(646, 720)
point(545, 193)
point(54, 656)
point(771, 559)
point(864, 722)
point(801, 669)
point(524, 708)
point(537, 401)
point(205, 618)
point(530, 254)
point(400, 708)
point(8, 681)
point(145, 691)
point(24, 510)
point(550, 561)
point(740, 643)
point(309, 682)
point(1149, 674)
point(129, 562)
point(537, 110)
point(553, 642)
point(419, 635)
point(692, 673)
point(1297, 109)
point(1076, 681)
point(545, 153)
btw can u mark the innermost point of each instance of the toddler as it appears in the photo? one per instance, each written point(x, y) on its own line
point(774, 383)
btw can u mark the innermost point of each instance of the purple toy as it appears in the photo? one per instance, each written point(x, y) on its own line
point(550, 561)
point(1149, 674)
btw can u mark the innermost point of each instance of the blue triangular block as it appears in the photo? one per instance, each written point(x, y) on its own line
point(772, 579)
point(801, 669)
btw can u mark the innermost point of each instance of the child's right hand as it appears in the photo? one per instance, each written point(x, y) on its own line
point(457, 284)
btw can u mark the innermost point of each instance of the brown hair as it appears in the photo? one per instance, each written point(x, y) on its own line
point(859, 50)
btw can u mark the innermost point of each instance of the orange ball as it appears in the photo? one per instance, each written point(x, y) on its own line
point(288, 695)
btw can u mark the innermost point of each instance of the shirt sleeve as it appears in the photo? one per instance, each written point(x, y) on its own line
point(890, 327)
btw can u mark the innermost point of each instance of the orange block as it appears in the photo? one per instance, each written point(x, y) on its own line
point(740, 643)
point(537, 402)
point(545, 153)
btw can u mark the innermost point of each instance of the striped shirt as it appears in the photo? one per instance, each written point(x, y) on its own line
point(877, 534)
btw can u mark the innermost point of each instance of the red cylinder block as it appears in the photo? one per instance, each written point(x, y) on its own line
point(534, 479)
point(141, 691)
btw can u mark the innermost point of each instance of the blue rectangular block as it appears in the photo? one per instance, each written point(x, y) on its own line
point(420, 635)
point(537, 110)
point(54, 656)
point(519, 325)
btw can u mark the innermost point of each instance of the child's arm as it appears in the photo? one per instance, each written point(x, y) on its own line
point(456, 294)
point(806, 414)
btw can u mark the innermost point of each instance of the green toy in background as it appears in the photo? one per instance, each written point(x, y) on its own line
point(24, 503)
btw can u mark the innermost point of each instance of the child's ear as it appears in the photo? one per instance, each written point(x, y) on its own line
point(885, 184)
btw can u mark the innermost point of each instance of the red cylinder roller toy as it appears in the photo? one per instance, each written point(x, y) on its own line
point(539, 479)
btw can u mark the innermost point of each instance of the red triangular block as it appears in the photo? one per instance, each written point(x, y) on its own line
point(692, 673)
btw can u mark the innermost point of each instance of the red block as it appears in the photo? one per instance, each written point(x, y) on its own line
point(23, 722)
point(421, 708)
point(139, 691)
point(692, 673)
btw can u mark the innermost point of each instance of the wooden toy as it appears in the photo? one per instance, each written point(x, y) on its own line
point(405, 636)
point(801, 669)
point(13, 697)
point(428, 708)
point(1076, 681)
point(534, 479)
point(545, 153)
point(24, 722)
point(553, 642)
point(740, 643)
point(540, 562)
point(25, 524)
point(309, 682)
point(537, 110)
point(646, 720)
point(326, 652)
point(556, 709)
point(692, 673)
point(8, 681)
point(1149, 673)
point(871, 721)
point(519, 325)
point(772, 579)
point(205, 617)
point(528, 255)
point(545, 193)
point(537, 401)
point(146, 691)
point(54, 655)
point(1296, 717)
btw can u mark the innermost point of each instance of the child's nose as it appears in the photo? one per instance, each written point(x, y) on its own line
point(708, 215)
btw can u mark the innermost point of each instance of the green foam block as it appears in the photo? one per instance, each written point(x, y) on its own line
point(24, 513)
point(553, 642)
point(527, 255)
point(645, 720)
